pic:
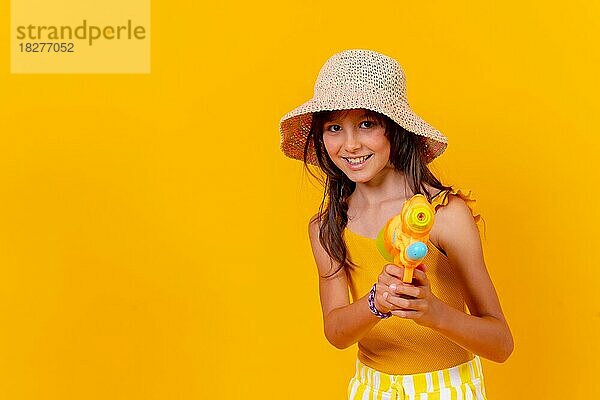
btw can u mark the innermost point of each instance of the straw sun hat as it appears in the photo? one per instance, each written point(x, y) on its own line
point(358, 79)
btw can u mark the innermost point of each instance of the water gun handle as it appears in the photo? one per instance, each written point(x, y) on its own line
point(408, 274)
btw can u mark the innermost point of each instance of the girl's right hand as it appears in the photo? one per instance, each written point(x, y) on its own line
point(391, 275)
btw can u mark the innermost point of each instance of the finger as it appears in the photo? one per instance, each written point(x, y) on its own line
point(420, 278)
point(386, 280)
point(394, 270)
point(382, 302)
point(422, 267)
point(409, 314)
point(381, 288)
point(404, 289)
point(401, 303)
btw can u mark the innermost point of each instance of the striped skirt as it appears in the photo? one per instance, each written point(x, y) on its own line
point(463, 382)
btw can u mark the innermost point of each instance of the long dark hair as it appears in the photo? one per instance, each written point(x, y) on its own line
point(406, 155)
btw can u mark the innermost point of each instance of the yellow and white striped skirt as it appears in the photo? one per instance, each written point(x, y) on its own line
point(462, 382)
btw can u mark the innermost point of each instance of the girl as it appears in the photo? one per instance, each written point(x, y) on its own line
point(417, 340)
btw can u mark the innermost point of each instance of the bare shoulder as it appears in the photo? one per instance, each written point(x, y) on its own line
point(456, 223)
point(313, 222)
point(322, 259)
point(314, 227)
point(455, 208)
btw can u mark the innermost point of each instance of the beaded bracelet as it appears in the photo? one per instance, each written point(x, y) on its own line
point(374, 309)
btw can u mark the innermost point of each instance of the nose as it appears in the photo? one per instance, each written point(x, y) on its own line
point(352, 143)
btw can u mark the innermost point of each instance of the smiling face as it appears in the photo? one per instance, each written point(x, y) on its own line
point(357, 145)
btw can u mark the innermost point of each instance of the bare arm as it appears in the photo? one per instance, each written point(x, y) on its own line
point(485, 331)
point(344, 323)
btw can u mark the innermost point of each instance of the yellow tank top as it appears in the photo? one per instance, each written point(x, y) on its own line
point(401, 346)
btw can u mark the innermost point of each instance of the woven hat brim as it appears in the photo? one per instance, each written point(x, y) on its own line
point(295, 125)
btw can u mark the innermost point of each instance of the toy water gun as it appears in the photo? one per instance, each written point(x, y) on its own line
point(404, 237)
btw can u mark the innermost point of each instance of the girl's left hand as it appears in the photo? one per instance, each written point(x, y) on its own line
point(423, 307)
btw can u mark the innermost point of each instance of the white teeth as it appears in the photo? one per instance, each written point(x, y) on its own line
point(356, 160)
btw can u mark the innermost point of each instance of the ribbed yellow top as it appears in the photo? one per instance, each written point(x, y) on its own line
point(401, 346)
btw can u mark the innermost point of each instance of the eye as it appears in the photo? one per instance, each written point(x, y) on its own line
point(333, 128)
point(367, 124)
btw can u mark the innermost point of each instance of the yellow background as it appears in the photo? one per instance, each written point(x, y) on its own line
point(153, 240)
